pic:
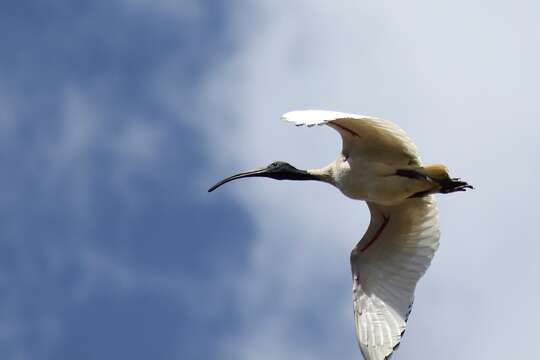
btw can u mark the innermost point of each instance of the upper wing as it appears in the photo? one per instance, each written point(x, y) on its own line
point(386, 265)
point(373, 138)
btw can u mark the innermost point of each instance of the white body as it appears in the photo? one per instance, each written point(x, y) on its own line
point(403, 234)
point(373, 150)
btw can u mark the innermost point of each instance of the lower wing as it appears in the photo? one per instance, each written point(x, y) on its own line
point(386, 266)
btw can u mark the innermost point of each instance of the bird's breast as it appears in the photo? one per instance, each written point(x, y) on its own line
point(371, 181)
point(353, 179)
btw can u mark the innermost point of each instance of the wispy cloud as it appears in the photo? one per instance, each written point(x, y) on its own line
point(438, 72)
point(88, 151)
point(66, 188)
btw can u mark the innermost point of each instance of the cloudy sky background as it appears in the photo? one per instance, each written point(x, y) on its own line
point(116, 116)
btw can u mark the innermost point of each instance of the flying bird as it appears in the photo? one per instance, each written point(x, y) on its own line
point(379, 164)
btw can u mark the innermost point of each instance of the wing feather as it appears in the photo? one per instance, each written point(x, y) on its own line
point(376, 139)
point(385, 274)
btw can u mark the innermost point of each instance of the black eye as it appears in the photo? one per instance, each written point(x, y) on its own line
point(274, 164)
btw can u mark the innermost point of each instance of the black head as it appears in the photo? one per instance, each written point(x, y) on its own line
point(278, 170)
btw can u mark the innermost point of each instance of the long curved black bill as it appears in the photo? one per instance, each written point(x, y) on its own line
point(258, 172)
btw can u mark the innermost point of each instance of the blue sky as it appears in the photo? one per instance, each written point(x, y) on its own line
point(107, 250)
point(116, 116)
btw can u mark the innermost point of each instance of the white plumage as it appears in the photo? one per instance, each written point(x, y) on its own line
point(386, 271)
point(380, 165)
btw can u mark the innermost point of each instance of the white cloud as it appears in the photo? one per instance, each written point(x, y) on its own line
point(462, 79)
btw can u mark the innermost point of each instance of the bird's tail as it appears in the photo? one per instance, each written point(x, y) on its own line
point(439, 174)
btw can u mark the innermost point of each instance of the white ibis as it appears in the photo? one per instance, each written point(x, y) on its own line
point(380, 165)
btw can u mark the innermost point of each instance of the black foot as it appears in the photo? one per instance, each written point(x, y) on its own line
point(453, 185)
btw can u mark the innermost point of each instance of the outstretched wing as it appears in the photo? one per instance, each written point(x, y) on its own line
point(375, 139)
point(386, 265)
